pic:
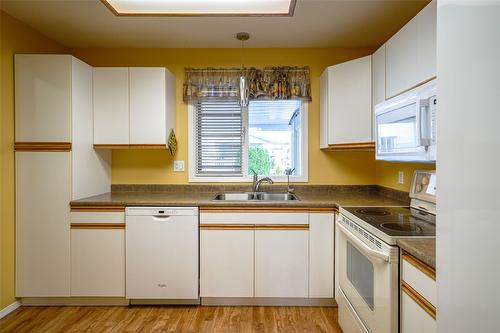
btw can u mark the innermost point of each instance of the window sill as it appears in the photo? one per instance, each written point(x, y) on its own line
point(277, 179)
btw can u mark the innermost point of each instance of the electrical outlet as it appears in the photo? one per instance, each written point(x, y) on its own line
point(401, 177)
point(178, 166)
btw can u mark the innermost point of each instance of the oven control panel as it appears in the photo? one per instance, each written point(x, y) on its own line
point(423, 186)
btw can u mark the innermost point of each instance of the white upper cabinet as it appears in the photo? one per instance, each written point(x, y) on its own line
point(378, 76)
point(147, 105)
point(411, 53)
point(133, 106)
point(111, 105)
point(346, 104)
point(43, 98)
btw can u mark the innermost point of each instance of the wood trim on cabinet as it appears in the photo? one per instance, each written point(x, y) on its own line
point(282, 227)
point(130, 146)
point(207, 226)
point(419, 299)
point(291, 11)
point(352, 146)
point(97, 225)
point(422, 266)
point(323, 210)
point(243, 209)
point(413, 87)
point(42, 146)
point(98, 209)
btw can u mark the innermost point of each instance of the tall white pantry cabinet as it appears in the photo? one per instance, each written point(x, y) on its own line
point(55, 163)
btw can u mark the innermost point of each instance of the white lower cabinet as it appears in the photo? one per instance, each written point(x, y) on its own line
point(418, 296)
point(42, 224)
point(413, 318)
point(98, 262)
point(266, 254)
point(321, 254)
point(281, 263)
point(227, 258)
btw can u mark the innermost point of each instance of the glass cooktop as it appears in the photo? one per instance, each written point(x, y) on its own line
point(397, 221)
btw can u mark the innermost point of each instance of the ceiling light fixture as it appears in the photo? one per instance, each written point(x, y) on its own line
point(201, 7)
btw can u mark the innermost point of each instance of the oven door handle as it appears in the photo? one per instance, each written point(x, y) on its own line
point(366, 249)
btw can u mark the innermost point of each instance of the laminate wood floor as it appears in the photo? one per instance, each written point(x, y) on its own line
point(181, 319)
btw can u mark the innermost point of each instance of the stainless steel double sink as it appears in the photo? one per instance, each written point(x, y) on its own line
point(255, 196)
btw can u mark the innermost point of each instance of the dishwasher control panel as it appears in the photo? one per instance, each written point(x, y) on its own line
point(161, 211)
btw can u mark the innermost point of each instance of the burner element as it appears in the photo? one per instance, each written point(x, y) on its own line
point(402, 227)
point(373, 211)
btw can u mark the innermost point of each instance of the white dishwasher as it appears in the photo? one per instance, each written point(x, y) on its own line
point(162, 255)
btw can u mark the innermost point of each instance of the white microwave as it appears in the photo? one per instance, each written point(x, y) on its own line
point(406, 126)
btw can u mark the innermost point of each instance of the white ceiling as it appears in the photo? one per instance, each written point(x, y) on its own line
point(316, 23)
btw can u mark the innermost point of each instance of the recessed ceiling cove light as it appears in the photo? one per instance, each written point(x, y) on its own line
point(201, 7)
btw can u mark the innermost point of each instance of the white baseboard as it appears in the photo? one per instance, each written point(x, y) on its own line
point(74, 301)
point(9, 308)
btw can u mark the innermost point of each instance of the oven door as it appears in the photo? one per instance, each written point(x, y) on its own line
point(368, 274)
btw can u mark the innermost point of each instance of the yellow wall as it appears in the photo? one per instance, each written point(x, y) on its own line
point(156, 166)
point(15, 37)
point(386, 173)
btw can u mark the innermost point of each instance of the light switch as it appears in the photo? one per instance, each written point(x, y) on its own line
point(178, 166)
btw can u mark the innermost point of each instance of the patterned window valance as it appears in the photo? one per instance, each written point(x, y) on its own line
point(267, 83)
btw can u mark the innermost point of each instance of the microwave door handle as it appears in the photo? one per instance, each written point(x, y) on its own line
point(424, 140)
point(365, 248)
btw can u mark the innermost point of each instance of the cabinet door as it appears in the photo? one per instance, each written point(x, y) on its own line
point(414, 319)
point(411, 53)
point(98, 262)
point(323, 110)
point(401, 57)
point(351, 99)
point(111, 105)
point(43, 192)
point(147, 105)
point(281, 263)
point(378, 75)
point(226, 263)
point(321, 254)
point(427, 35)
point(43, 98)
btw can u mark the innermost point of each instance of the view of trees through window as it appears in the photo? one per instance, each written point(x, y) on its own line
point(274, 136)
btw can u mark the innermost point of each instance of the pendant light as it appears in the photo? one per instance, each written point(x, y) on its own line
point(244, 91)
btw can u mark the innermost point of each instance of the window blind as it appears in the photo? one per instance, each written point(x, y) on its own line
point(218, 138)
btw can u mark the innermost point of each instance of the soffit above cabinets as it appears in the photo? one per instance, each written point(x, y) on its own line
point(314, 24)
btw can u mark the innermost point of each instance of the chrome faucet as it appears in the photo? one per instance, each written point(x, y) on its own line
point(257, 182)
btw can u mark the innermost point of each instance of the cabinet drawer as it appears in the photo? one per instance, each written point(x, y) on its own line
point(420, 277)
point(414, 319)
point(261, 217)
point(97, 217)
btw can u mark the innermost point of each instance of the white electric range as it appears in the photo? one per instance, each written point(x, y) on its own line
point(368, 294)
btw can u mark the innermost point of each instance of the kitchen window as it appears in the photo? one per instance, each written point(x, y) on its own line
point(227, 141)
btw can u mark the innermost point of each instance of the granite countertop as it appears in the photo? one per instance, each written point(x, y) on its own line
point(421, 248)
point(202, 195)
